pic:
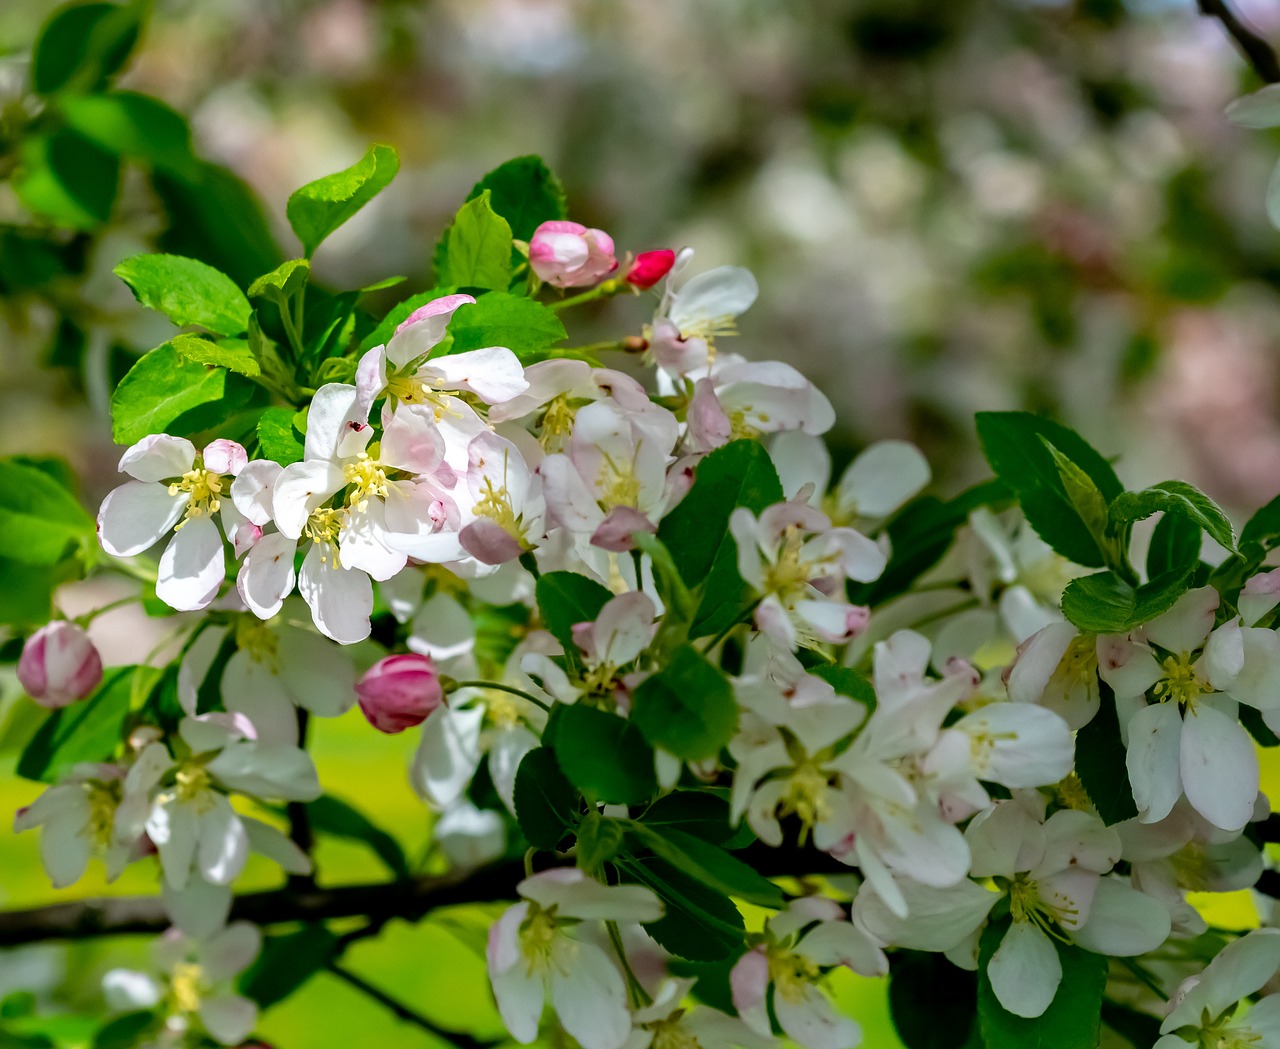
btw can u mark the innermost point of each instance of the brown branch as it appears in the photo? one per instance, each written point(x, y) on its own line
point(1260, 55)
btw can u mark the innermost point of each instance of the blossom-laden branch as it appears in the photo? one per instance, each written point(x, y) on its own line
point(1260, 55)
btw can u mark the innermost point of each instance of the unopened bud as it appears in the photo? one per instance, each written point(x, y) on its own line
point(650, 267)
point(399, 692)
point(635, 344)
point(568, 255)
point(59, 665)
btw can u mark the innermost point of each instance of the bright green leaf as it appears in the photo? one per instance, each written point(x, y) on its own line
point(320, 207)
point(1176, 497)
point(39, 517)
point(68, 179)
point(277, 438)
point(523, 326)
point(163, 391)
point(135, 126)
point(232, 354)
point(187, 291)
point(89, 730)
point(526, 193)
point(1103, 603)
point(82, 45)
point(475, 251)
point(286, 962)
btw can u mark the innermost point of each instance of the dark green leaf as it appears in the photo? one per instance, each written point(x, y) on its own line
point(1100, 762)
point(604, 756)
point(1141, 1030)
point(26, 591)
point(475, 251)
point(546, 802)
point(90, 730)
point(1103, 603)
point(161, 388)
point(1175, 545)
point(135, 126)
point(68, 179)
point(521, 325)
point(1012, 443)
point(330, 815)
point(566, 599)
point(82, 45)
point(320, 207)
point(39, 518)
point(125, 1031)
point(700, 923)
point(187, 291)
point(398, 315)
point(951, 993)
point(687, 707)
point(277, 438)
point(286, 962)
point(1073, 1019)
point(1264, 526)
point(1175, 497)
point(1251, 719)
point(707, 863)
point(696, 812)
point(526, 193)
point(848, 682)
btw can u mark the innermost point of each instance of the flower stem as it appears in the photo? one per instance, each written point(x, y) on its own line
point(638, 995)
point(503, 688)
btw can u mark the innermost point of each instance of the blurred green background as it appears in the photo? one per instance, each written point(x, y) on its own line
point(976, 204)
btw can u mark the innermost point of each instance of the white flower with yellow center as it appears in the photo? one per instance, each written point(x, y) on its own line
point(692, 314)
point(535, 951)
point(175, 486)
point(508, 508)
point(1206, 1010)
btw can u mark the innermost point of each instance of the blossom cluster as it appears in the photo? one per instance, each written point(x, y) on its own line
point(708, 652)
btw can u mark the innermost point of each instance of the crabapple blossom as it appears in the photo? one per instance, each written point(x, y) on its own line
point(879, 481)
point(694, 313)
point(59, 665)
point(398, 692)
point(536, 950)
point(568, 254)
point(174, 487)
point(668, 1021)
point(508, 508)
point(650, 267)
point(1205, 1010)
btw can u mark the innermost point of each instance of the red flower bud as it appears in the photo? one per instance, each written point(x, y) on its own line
point(650, 267)
point(59, 665)
point(399, 692)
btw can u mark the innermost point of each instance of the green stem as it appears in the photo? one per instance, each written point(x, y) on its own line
point(600, 291)
point(638, 995)
point(130, 567)
point(503, 688)
point(744, 618)
point(93, 614)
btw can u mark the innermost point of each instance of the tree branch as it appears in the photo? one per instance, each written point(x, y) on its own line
point(1260, 55)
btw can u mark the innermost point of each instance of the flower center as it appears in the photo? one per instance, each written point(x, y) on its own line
point(502, 710)
point(1079, 663)
point(807, 797)
point(788, 575)
point(1219, 1036)
point(791, 974)
point(495, 504)
point(671, 1034)
point(203, 489)
point(1072, 795)
point(102, 813)
point(323, 527)
point(186, 986)
point(258, 642)
point(367, 478)
point(537, 934)
point(1192, 867)
point(193, 781)
point(618, 484)
point(1180, 683)
point(557, 424)
point(1026, 905)
point(410, 389)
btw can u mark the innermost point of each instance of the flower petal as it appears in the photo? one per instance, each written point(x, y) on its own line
point(1219, 765)
point(193, 566)
point(1025, 970)
point(136, 516)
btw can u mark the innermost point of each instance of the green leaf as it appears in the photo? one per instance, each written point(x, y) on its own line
point(700, 923)
point(162, 388)
point(187, 291)
point(526, 193)
point(283, 282)
point(697, 812)
point(523, 326)
point(286, 962)
point(68, 179)
point(330, 815)
point(1251, 719)
point(90, 730)
point(848, 682)
point(1103, 603)
point(1013, 445)
point(1073, 1019)
point(951, 1019)
point(1082, 493)
point(1100, 762)
point(687, 707)
point(1175, 497)
point(566, 599)
point(26, 591)
point(1264, 526)
point(232, 354)
point(707, 863)
point(135, 126)
point(599, 839)
point(127, 1031)
point(1175, 545)
point(82, 45)
point(697, 530)
point(398, 315)
point(604, 756)
point(1141, 1030)
point(277, 438)
point(546, 802)
point(39, 518)
point(475, 251)
point(320, 207)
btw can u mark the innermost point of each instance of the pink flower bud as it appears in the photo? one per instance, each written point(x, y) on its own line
point(59, 665)
point(399, 692)
point(650, 267)
point(567, 254)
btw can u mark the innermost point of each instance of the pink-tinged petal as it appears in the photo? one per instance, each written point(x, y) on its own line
point(861, 559)
point(624, 628)
point(1123, 922)
point(341, 601)
point(225, 457)
point(615, 531)
point(749, 984)
point(267, 576)
point(494, 374)
point(489, 542)
point(1153, 760)
point(412, 442)
point(300, 489)
point(333, 409)
point(1130, 669)
point(371, 378)
point(650, 267)
point(136, 516)
point(158, 458)
point(709, 425)
point(502, 946)
point(570, 503)
point(192, 567)
point(59, 665)
point(1184, 627)
point(223, 845)
point(253, 488)
point(1079, 839)
point(833, 621)
point(547, 380)
point(399, 692)
point(1219, 767)
point(228, 1017)
point(419, 333)
point(1025, 970)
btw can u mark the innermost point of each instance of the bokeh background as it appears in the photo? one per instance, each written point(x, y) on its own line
point(951, 206)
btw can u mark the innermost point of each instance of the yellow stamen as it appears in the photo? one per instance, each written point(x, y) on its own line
point(204, 491)
point(368, 478)
point(791, 974)
point(1180, 683)
point(186, 987)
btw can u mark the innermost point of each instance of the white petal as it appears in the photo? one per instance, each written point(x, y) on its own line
point(319, 676)
point(300, 489)
point(1185, 626)
point(882, 478)
point(519, 994)
point(267, 770)
point(223, 845)
point(493, 374)
point(228, 1017)
point(158, 457)
point(200, 909)
point(250, 688)
point(195, 665)
point(266, 576)
point(267, 841)
point(126, 989)
point(1123, 922)
point(813, 1023)
point(936, 919)
point(840, 943)
point(193, 566)
point(65, 849)
point(449, 753)
point(1025, 970)
point(136, 516)
point(1257, 110)
point(254, 488)
point(1021, 745)
point(332, 410)
point(589, 995)
point(341, 601)
point(578, 896)
point(1153, 760)
point(726, 291)
point(1219, 767)
point(172, 827)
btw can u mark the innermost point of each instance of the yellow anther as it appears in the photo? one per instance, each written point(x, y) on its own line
point(807, 797)
point(102, 812)
point(788, 575)
point(186, 986)
point(203, 489)
point(502, 710)
point(537, 934)
point(193, 781)
point(323, 527)
point(618, 484)
point(1072, 795)
point(1180, 683)
point(557, 424)
point(791, 974)
point(495, 504)
point(1192, 867)
point(671, 1034)
point(368, 478)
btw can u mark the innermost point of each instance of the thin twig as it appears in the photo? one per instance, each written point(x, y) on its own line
point(300, 820)
point(1260, 55)
point(457, 1038)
